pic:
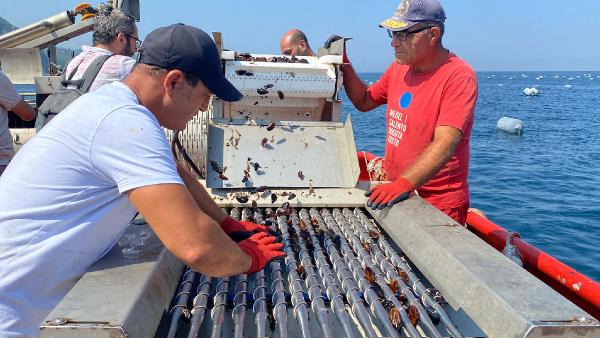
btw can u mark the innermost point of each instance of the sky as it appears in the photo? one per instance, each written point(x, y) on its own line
point(507, 35)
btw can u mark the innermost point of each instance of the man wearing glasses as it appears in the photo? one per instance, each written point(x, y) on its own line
point(115, 34)
point(430, 95)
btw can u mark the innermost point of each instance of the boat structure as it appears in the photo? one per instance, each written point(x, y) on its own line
point(282, 156)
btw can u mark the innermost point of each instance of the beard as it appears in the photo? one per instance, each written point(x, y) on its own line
point(126, 50)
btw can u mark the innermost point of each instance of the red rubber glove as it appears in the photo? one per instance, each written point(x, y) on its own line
point(388, 194)
point(241, 230)
point(262, 248)
point(230, 225)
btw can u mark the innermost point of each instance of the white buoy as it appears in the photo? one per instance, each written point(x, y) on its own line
point(531, 91)
point(510, 125)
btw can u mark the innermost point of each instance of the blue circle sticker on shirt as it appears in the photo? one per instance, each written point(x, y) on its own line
point(405, 100)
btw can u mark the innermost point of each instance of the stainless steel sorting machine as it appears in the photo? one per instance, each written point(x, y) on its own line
point(282, 157)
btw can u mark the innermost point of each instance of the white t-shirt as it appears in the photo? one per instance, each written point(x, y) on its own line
point(62, 201)
point(116, 68)
point(8, 99)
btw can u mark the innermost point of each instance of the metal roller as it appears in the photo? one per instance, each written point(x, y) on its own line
point(220, 305)
point(312, 277)
point(359, 274)
point(277, 287)
point(388, 271)
point(344, 275)
point(295, 282)
point(181, 299)
point(199, 306)
point(388, 260)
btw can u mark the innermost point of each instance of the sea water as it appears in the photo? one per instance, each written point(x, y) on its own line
point(544, 184)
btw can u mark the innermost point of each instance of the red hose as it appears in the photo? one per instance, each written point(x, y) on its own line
point(576, 287)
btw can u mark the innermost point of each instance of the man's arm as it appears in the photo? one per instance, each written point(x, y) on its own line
point(200, 195)
point(187, 232)
point(356, 90)
point(435, 156)
point(24, 110)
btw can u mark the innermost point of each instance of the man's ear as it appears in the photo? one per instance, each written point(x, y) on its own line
point(173, 80)
point(120, 38)
point(436, 34)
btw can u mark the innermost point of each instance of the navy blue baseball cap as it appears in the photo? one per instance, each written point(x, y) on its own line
point(190, 50)
point(412, 12)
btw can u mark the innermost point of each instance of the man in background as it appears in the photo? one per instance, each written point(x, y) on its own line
point(116, 34)
point(10, 100)
point(430, 95)
point(295, 43)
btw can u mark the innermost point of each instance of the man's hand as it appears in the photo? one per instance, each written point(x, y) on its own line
point(335, 38)
point(262, 248)
point(386, 195)
point(239, 231)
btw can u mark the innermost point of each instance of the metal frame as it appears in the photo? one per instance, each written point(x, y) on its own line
point(501, 297)
point(121, 295)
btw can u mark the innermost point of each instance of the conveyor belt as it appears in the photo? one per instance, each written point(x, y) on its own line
point(340, 277)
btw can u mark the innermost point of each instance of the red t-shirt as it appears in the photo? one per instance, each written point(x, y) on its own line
point(416, 104)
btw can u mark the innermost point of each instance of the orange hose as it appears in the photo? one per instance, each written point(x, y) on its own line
point(575, 286)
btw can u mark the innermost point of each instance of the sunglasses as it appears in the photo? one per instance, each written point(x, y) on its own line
point(403, 36)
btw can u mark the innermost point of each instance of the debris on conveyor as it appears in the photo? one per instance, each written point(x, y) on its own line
point(279, 59)
point(338, 266)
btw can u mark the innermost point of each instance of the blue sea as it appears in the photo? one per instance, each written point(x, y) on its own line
point(544, 184)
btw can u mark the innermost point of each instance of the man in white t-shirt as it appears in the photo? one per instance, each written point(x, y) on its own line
point(116, 34)
point(104, 158)
point(10, 100)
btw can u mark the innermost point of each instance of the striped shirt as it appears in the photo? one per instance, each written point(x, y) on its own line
point(115, 68)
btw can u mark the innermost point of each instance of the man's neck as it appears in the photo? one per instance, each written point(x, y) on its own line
point(107, 47)
point(438, 57)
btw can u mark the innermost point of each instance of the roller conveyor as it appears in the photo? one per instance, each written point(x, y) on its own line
point(317, 312)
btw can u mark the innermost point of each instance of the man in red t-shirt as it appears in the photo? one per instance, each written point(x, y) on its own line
point(430, 95)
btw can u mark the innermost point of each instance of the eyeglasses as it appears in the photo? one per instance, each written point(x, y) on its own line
point(403, 36)
point(138, 42)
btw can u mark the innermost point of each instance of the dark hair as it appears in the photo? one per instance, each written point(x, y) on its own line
point(156, 71)
point(191, 79)
point(109, 24)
